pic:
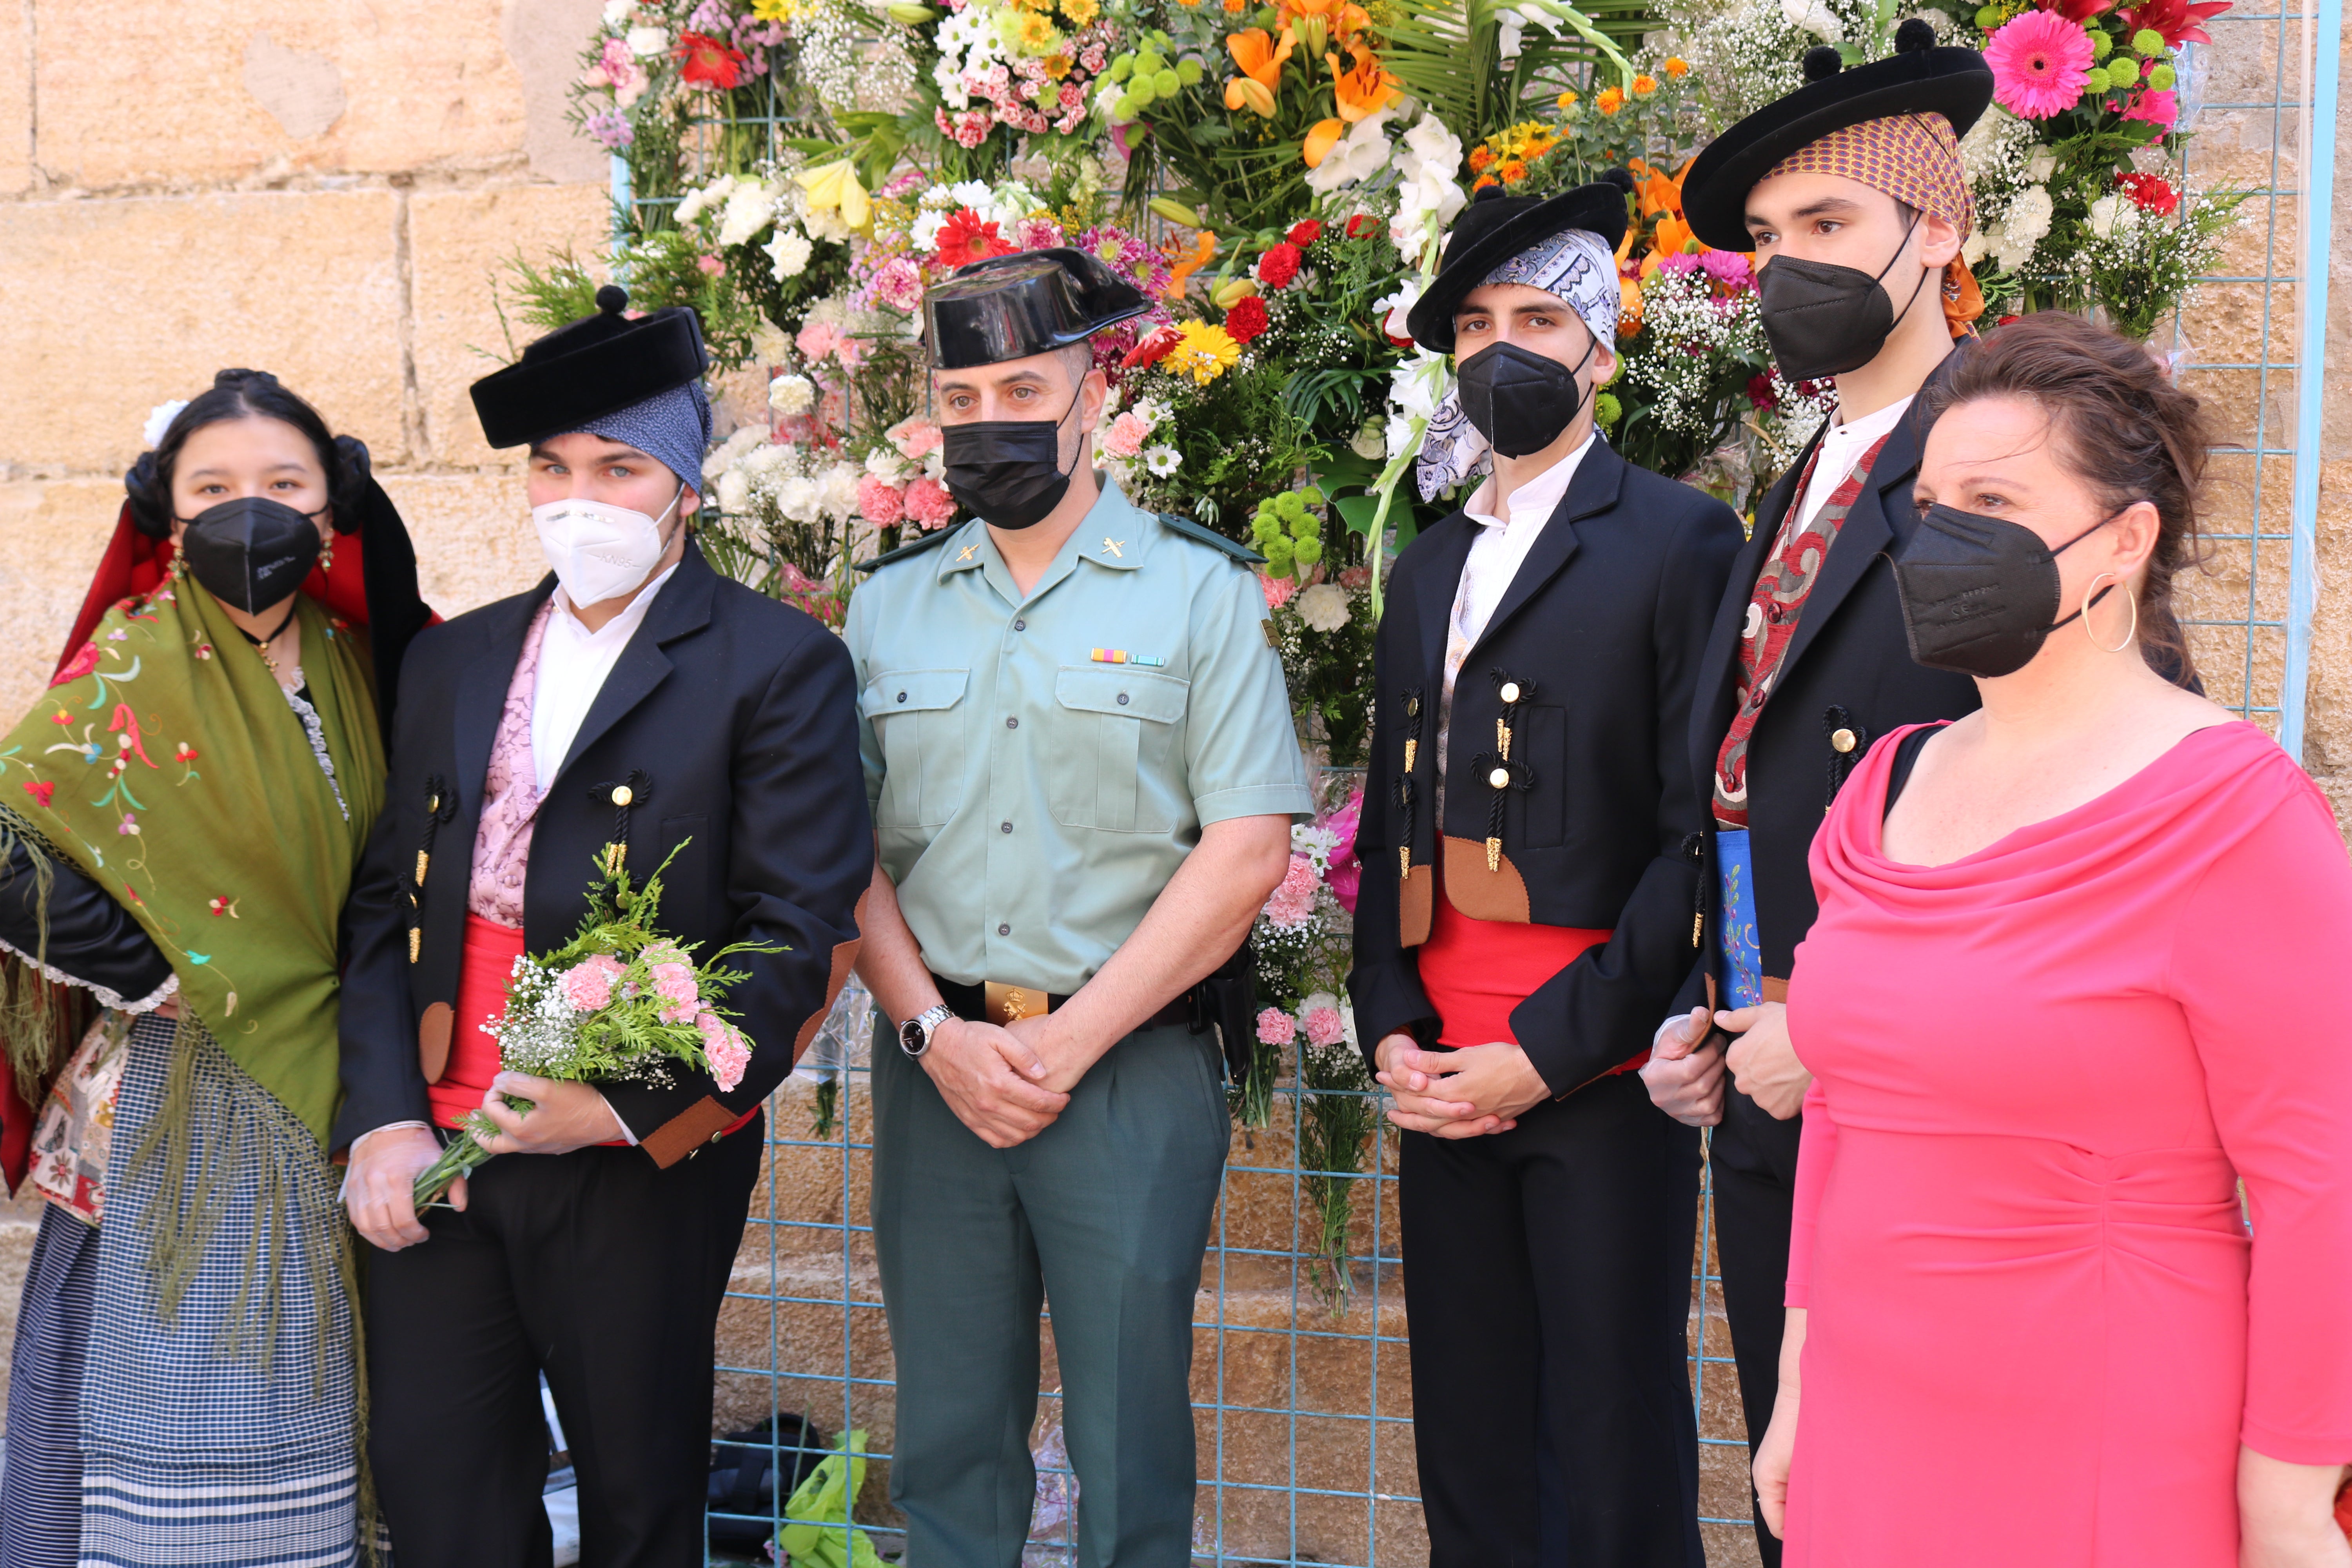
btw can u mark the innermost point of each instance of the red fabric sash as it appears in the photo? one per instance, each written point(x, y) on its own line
point(1475, 972)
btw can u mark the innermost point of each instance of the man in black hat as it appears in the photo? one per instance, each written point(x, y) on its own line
point(1527, 911)
point(1851, 194)
point(1082, 772)
point(634, 702)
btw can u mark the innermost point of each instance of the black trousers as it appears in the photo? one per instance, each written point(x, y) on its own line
point(1548, 1281)
point(1755, 1174)
point(604, 1271)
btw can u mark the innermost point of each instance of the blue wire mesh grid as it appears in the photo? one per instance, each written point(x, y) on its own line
point(1301, 1401)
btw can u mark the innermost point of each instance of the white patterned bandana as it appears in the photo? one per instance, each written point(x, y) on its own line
point(1578, 267)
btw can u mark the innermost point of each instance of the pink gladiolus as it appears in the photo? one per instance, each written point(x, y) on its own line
point(1345, 875)
point(587, 986)
point(1325, 1026)
point(1125, 436)
point(1275, 1027)
point(929, 504)
point(879, 501)
point(2041, 63)
point(725, 1048)
point(1293, 903)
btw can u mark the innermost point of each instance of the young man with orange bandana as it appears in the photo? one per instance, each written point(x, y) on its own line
point(1850, 192)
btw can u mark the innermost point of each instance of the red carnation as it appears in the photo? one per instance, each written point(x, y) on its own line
point(2150, 193)
point(1363, 226)
point(1306, 232)
point(1156, 346)
point(1759, 390)
point(2179, 21)
point(1246, 320)
point(1279, 265)
point(706, 61)
point(964, 240)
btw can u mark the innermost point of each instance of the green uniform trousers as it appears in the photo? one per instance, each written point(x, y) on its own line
point(1106, 1213)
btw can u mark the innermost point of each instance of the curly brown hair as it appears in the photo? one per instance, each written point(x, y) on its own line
point(2124, 427)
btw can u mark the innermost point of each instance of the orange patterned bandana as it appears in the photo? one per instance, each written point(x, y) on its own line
point(1916, 159)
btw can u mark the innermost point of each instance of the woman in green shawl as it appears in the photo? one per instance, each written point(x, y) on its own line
point(180, 816)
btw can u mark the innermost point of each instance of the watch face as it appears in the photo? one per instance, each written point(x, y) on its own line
point(912, 1037)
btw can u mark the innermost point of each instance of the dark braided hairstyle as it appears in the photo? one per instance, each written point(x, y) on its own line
point(2123, 428)
point(245, 394)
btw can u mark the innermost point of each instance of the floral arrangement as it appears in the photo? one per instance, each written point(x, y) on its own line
point(618, 1001)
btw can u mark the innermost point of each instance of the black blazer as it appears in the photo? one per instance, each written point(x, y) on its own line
point(1849, 668)
point(1601, 631)
point(736, 717)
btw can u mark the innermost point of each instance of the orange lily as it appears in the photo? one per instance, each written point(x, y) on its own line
point(1204, 250)
point(1364, 90)
point(1261, 59)
point(1673, 237)
point(1337, 20)
point(1658, 190)
point(1321, 137)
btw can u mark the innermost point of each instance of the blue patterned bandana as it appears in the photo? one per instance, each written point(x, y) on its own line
point(672, 428)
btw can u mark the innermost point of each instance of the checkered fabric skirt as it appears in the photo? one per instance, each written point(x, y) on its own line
point(179, 1454)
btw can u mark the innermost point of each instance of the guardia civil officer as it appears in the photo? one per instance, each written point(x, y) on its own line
point(1851, 194)
point(1527, 842)
point(1080, 758)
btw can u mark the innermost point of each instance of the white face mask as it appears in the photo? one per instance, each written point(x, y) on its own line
point(600, 551)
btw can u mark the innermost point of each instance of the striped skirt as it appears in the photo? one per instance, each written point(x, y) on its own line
point(136, 1445)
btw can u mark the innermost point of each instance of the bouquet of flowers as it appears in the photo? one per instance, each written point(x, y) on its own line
point(619, 1000)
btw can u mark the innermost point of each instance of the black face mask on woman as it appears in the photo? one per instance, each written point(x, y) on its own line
point(1008, 471)
point(1824, 320)
point(252, 551)
point(1978, 593)
point(1520, 401)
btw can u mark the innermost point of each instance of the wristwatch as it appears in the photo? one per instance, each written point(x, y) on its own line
point(915, 1034)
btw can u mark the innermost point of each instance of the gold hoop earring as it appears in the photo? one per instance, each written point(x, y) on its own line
point(2130, 635)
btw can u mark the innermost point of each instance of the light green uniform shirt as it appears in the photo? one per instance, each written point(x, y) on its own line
point(1031, 795)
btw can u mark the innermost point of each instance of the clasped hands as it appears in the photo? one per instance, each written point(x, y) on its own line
point(1007, 1084)
point(1685, 1074)
point(1466, 1093)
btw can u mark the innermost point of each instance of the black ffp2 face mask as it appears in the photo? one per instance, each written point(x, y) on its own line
point(1520, 401)
point(1823, 320)
point(250, 553)
point(1008, 471)
point(1979, 593)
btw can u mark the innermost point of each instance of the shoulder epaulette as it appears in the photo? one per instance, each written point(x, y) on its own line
point(927, 542)
point(1193, 531)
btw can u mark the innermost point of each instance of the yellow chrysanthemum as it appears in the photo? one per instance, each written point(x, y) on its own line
point(1675, 67)
point(1057, 67)
point(1202, 351)
point(1645, 85)
point(1081, 12)
point(1566, 101)
point(1036, 34)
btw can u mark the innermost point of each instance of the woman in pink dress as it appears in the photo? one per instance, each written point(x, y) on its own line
point(2076, 979)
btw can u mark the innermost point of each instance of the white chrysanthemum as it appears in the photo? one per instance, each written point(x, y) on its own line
point(1324, 606)
point(750, 208)
point(923, 234)
point(790, 395)
point(647, 42)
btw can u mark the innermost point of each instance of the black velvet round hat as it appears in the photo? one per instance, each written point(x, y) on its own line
point(1029, 302)
point(587, 369)
point(1495, 227)
point(1919, 78)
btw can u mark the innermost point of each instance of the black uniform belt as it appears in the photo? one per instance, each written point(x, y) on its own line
point(995, 1001)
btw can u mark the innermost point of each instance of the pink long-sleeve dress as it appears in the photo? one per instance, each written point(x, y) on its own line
point(2037, 1329)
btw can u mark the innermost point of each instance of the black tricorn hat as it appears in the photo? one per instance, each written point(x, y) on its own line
point(1495, 227)
point(1029, 302)
point(588, 368)
point(1918, 77)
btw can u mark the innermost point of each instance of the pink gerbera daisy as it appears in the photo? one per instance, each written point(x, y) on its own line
point(2040, 64)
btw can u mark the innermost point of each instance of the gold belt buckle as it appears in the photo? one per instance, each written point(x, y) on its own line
point(1004, 1003)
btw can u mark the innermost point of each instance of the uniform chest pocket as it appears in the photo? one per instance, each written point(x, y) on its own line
point(918, 715)
point(1111, 763)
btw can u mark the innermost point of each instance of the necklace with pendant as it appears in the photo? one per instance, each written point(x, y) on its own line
point(261, 644)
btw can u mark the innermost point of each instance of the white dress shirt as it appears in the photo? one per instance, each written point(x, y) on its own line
point(573, 663)
point(1842, 445)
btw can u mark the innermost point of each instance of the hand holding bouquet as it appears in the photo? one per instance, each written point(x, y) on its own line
point(618, 1001)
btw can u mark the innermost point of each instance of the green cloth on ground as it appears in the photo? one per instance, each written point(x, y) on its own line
point(820, 1506)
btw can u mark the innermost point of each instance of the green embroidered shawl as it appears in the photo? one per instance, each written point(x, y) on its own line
point(166, 766)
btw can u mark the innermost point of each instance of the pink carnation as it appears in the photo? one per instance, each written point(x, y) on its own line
point(1275, 1027)
point(815, 340)
point(1037, 234)
point(587, 986)
point(1279, 589)
point(1125, 436)
point(879, 501)
point(899, 284)
point(1293, 903)
point(929, 504)
point(914, 436)
point(2041, 63)
point(674, 983)
point(2158, 109)
point(1325, 1026)
point(724, 1048)
point(1345, 875)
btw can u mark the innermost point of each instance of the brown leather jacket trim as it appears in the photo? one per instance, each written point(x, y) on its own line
point(1483, 895)
point(844, 957)
point(433, 1040)
point(688, 1131)
point(1413, 906)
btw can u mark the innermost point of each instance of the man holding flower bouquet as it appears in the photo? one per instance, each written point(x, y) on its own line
point(623, 849)
point(1083, 774)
